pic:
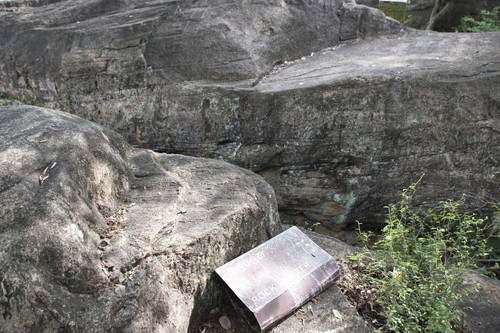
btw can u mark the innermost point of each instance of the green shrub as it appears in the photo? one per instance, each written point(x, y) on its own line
point(420, 264)
point(490, 22)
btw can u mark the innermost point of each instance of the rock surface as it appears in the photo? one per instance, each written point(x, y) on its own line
point(356, 125)
point(72, 47)
point(340, 133)
point(97, 236)
point(484, 305)
point(337, 133)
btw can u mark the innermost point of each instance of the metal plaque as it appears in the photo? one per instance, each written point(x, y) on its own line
point(275, 278)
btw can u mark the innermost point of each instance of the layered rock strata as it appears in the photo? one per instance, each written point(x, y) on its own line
point(337, 125)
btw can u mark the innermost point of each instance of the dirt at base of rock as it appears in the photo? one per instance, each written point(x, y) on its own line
point(212, 324)
point(239, 325)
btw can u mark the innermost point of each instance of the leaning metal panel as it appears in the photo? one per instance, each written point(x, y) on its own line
point(275, 278)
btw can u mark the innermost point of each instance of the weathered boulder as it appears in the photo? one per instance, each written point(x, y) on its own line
point(340, 133)
point(69, 48)
point(337, 133)
point(354, 126)
point(96, 236)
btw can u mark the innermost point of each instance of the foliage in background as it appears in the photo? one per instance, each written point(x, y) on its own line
point(440, 9)
point(27, 95)
point(396, 10)
point(420, 264)
point(490, 21)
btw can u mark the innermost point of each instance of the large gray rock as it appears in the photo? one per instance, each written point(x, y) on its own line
point(338, 134)
point(354, 126)
point(96, 236)
point(72, 47)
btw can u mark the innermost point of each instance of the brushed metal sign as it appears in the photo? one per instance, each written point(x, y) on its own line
point(275, 278)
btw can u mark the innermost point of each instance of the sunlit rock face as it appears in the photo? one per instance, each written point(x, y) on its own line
point(97, 236)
